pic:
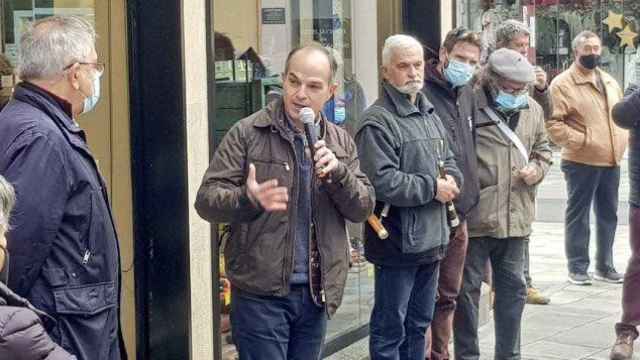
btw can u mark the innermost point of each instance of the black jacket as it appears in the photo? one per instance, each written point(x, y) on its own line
point(453, 108)
point(63, 243)
point(22, 331)
point(399, 145)
point(626, 114)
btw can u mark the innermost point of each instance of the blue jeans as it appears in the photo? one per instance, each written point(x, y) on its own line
point(588, 184)
point(507, 262)
point(278, 328)
point(405, 299)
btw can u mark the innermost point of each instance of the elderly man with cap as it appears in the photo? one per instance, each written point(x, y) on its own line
point(513, 157)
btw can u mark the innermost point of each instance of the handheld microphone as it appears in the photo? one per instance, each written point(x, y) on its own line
point(308, 118)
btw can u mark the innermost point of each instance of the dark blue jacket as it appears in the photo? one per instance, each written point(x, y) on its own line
point(63, 243)
point(626, 114)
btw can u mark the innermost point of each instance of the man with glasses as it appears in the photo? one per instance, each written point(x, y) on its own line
point(446, 88)
point(63, 241)
point(592, 149)
point(513, 157)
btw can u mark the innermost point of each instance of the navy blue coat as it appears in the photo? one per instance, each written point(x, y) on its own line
point(63, 243)
point(626, 114)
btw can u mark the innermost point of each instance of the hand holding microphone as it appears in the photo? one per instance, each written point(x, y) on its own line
point(324, 159)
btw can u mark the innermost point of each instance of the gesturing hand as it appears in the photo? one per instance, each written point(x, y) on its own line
point(541, 79)
point(267, 194)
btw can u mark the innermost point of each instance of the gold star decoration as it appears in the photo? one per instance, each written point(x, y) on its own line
point(614, 21)
point(627, 37)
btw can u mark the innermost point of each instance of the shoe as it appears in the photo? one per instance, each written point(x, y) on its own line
point(579, 279)
point(610, 276)
point(535, 297)
point(623, 348)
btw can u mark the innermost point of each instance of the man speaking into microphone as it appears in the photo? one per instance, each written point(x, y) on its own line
point(287, 258)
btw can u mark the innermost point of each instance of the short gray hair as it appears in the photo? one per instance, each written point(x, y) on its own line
point(395, 42)
point(7, 201)
point(582, 37)
point(51, 44)
point(509, 30)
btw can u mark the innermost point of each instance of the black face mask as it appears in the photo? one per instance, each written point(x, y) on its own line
point(590, 61)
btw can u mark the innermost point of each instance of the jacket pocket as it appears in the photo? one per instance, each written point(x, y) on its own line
point(87, 318)
point(423, 228)
point(485, 215)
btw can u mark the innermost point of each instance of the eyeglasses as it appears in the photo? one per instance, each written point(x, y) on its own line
point(97, 65)
point(512, 91)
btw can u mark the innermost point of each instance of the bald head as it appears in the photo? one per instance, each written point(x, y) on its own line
point(331, 63)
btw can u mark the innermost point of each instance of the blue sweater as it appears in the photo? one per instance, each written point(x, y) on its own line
point(304, 170)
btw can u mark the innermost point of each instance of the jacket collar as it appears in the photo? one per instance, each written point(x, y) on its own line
point(44, 101)
point(276, 119)
point(403, 105)
point(435, 78)
point(580, 78)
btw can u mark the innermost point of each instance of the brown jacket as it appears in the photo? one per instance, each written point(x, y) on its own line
point(507, 204)
point(259, 255)
point(581, 122)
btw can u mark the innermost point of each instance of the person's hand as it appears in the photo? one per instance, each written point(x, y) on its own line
point(528, 174)
point(447, 189)
point(325, 160)
point(541, 79)
point(268, 194)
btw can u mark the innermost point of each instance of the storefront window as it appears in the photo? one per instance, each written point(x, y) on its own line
point(252, 40)
point(556, 22)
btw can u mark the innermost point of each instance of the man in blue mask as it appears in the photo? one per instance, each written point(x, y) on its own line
point(445, 87)
point(513, 157)
point(63, 243)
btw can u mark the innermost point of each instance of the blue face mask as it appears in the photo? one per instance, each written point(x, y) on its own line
point(91, 101)
point(458, 73)
point(508, 101)
point(339, 115)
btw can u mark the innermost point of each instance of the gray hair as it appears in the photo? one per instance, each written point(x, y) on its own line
point(509, 30)
point(395, 42)
point(7, 200)
point(582, 37)
point(51, 44)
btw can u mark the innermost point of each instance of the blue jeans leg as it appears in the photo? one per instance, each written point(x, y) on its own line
point(402, 312)
point(465, 320)
point(605, 208)
point(279, 328)
point(582, 181)
point(507, 261)
point(308, 329)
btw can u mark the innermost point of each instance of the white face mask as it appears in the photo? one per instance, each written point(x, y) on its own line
point(91, 101)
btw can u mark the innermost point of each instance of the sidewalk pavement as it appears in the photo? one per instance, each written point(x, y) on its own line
point(579, 322)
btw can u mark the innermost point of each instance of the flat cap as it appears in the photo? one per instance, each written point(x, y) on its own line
point(511, 65)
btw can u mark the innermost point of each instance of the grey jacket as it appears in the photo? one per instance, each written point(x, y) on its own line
point(399, 145)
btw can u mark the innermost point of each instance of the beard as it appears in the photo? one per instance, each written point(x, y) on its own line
point(411, 88)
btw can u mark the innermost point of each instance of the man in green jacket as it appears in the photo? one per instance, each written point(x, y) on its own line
point(513, 157)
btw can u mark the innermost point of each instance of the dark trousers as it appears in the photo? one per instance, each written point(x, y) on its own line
point(588, 184)
point(405, 298)
point(527, 265)
point(278, 328)
point(507, 260)
point(449, 283)
point(631, 288)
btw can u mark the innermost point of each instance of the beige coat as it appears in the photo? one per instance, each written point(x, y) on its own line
point(581, 122)
point(507, 204)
